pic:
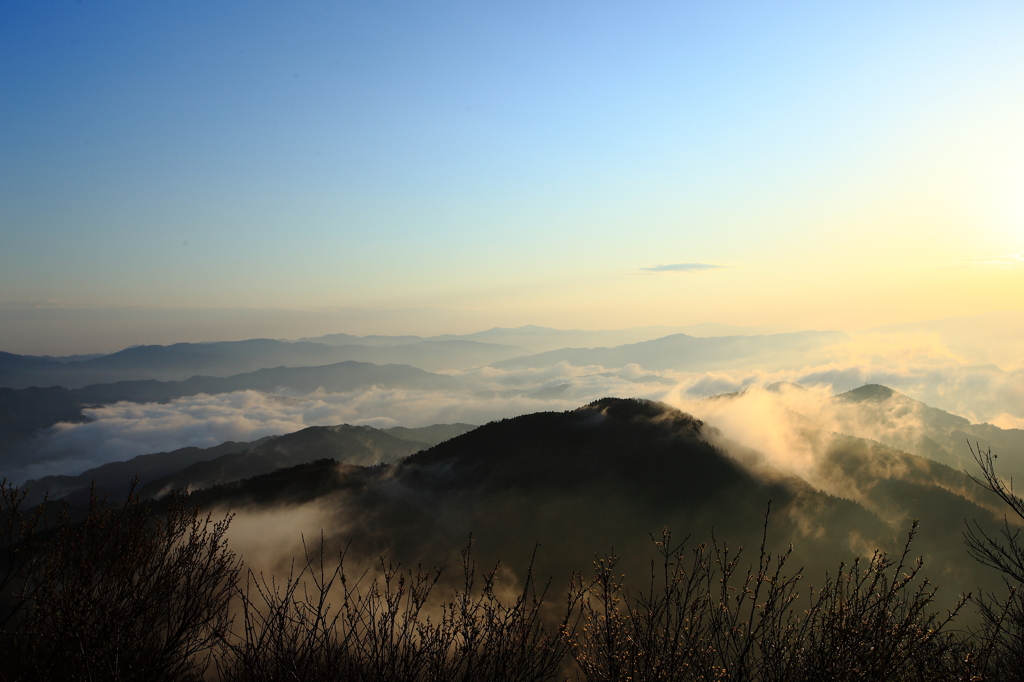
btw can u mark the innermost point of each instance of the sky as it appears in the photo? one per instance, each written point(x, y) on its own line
point(450, 166)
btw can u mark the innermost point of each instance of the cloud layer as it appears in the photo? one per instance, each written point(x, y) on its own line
point(919, 365)
point(683, 267)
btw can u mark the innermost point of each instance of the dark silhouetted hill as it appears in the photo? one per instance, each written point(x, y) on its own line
point(24, 411)
point(431, 435)
point(114, 478)
point(607, 474)
point(358, 445)
point(362, 444)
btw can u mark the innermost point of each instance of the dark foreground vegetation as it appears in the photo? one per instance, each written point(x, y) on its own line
point(130, 595)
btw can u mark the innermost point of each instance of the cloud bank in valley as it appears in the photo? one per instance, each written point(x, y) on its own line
point(919, 365)
point(124, 430)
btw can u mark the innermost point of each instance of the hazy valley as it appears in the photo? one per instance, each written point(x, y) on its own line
point(511, 342)
point(558, 454)
point(847, 472)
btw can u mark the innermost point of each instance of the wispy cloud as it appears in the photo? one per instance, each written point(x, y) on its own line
point(683, 267)
point(124, 430)
point(918, 365)
point(1009, 260)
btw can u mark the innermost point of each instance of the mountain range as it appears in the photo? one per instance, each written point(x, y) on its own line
point(690, 353)
point(937, 434)
point(190, 468)
point(532, 338)
point(180, 361)
point(335, 378)
point(604, 476)
point(24, 413)
point(845, 474)
point(600, 476)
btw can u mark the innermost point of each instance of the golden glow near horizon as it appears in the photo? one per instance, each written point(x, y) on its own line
point(573, 166)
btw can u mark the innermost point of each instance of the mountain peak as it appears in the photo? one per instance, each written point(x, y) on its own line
point(632, 409)
point(872, 392)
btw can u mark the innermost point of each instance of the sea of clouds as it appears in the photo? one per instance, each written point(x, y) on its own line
point(919, 366)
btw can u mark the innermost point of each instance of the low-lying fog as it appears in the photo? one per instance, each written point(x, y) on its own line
point(918, 365)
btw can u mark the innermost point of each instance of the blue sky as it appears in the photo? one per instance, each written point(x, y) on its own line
point(848, 164)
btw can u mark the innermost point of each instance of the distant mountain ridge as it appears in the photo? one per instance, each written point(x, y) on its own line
point(943, 437)
point(204, 467)
point(898, 421)
point(533, 338)
point(226, 358)
point(493, 347)
point(687, 353)
point(23, 412)
point(113, 478)
point(359, 445)
point(335, 378)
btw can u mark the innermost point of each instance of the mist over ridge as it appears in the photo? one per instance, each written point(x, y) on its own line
point(603, 475)
point(680, 369)
point(470, 297)
point(580, 449)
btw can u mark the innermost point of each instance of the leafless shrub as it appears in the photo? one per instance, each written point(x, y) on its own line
point(126, 595)
point(17, 549)
point(380, 630)
point(121, 595)
point(703, 619)
point(1000, 648)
